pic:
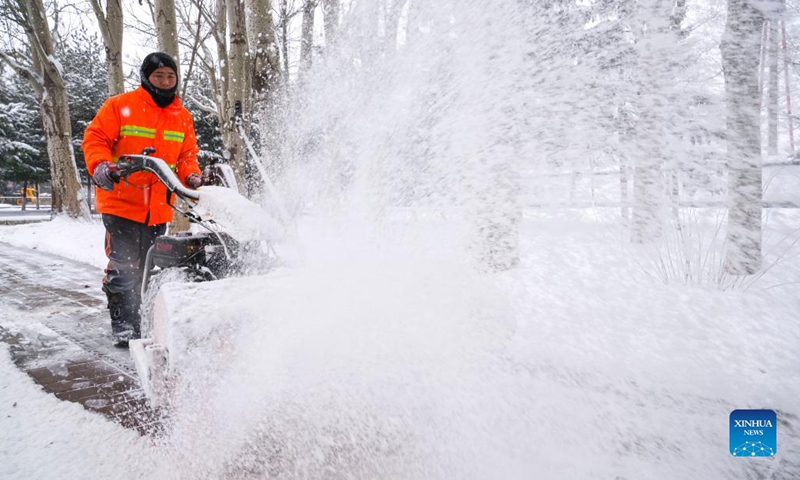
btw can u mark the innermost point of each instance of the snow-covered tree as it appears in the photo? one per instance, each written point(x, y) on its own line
point(32, 55)
point(23, 155)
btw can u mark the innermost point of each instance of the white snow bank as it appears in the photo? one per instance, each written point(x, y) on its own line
point(78, 240)
point(240, 218)
point(44, 437)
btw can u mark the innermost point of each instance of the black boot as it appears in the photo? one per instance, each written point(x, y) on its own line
point(124, 313)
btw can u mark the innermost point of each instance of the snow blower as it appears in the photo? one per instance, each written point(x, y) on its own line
point(209, 251)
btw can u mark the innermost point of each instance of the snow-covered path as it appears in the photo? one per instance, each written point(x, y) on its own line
point(54, 320)
point(39, 289)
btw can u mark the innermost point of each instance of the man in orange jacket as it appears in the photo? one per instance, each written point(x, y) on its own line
point(135, 212)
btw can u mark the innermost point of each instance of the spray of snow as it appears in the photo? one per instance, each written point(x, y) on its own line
point(239, 217)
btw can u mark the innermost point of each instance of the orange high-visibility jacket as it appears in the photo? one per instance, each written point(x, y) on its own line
point(127, 124)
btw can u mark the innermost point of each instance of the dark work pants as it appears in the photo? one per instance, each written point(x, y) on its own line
point(127, 243)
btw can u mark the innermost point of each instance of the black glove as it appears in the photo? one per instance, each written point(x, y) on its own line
point(106, 175)
point(194, 181)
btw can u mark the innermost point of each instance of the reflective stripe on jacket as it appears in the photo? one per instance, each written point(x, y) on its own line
point(127, 124)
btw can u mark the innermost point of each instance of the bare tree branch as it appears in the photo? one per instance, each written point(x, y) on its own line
point(23, 71)
point(202, 105)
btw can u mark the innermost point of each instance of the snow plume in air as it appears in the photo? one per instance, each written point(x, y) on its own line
point(366, 361)
point(240, 218)
point(430, 122)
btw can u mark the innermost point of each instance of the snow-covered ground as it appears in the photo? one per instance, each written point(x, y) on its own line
point(46, 438)
point(77, 240)
point(387, 355)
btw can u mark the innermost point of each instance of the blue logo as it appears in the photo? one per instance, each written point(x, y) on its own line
point(754, 433)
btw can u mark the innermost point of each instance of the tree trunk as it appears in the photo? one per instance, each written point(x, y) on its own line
point(24, 194)
point(167, 30)
point(740, 57)
point(498, 218)
point(285, 39)
point(656, 56)
point(167, 34)
point(492, 175)
point(307, 36)
point(116, 75)
point(67, 193)
point(266, 69)
point(266, 79)
point(772, 98)
point(647, 202)
point(110, 25)
point(237, 94)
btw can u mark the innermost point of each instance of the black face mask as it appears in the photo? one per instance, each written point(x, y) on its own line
point(160, 96)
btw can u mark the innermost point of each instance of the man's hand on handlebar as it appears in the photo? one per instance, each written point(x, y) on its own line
point(106, 175)
point(128, 164)
point(194, 181)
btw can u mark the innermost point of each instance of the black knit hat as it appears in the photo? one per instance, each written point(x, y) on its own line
point(156, 60)
point(152, 62)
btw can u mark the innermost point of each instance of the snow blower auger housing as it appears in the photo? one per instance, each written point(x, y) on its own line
point(195, 255)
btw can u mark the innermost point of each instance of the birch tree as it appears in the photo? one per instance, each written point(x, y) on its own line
point(167, 30)
point(237, 101)
point(740, 48)
point(167, 35)
point(265, 61)
point(240, 60)
point(110, 25)
point(43, 72)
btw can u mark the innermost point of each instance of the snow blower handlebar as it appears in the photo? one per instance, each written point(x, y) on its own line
point(129, 164)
